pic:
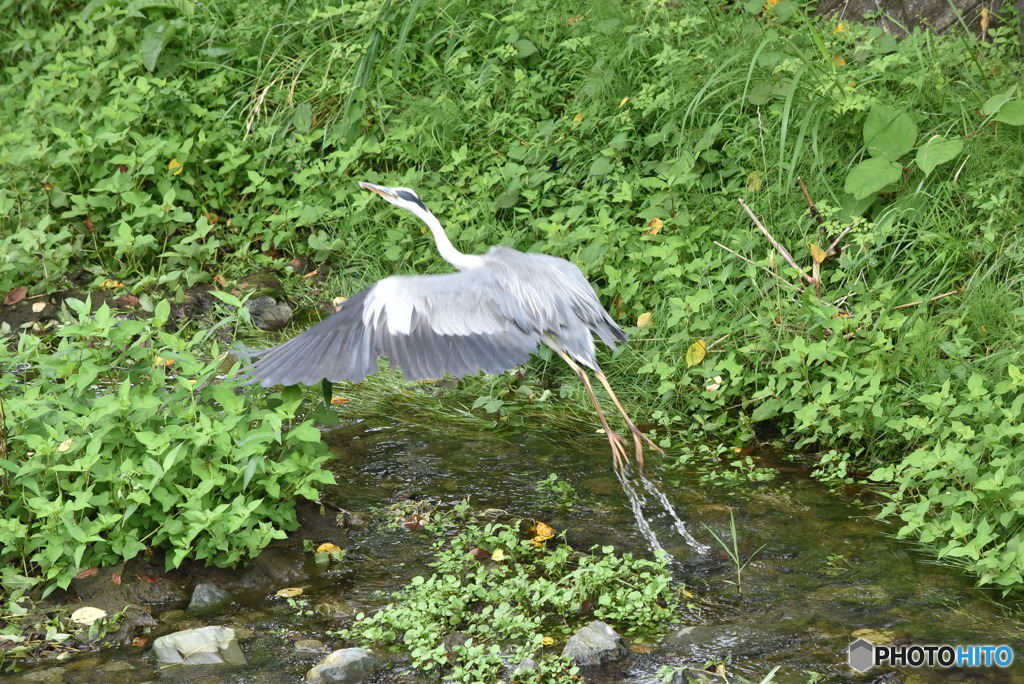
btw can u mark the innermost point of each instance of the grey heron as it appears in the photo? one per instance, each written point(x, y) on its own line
point(491, 315)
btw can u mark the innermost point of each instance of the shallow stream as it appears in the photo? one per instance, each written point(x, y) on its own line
point(826, 569)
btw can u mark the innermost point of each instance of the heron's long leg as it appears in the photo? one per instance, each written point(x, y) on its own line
point(614, 439)
point(637, 434)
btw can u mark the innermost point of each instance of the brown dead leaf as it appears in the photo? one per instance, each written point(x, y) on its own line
point(220, 280)
point(655, 225)
point(89, 225)
point(140, 641)
point(127, 301)
point(15, 295)
point(115, 578)
point(311, 273)
point(640, 648)
point(91, 572)
point(47, 186)
point(572, 21)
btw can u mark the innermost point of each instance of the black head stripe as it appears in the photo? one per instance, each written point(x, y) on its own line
point(410, 196)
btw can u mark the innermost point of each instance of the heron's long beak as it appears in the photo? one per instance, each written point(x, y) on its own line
point(379, 189)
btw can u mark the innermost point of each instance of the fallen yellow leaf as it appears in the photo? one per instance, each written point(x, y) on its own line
point(754, 181)
point(498, 556)
point(290, 592)
point(541, 533)
point(108, 283)
point(696, 353)
point(655, 225)
point(817, 253)
point(161, 361)
point(64, 446)
point(578, 117)
point(337, 401)
point(327, 548)
point(88, 615)
point(547, 641)
point(839, 61)
point(624, 101)
point(175, 167)
point(644, 319)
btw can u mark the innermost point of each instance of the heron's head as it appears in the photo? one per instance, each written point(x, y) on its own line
point(404, 198)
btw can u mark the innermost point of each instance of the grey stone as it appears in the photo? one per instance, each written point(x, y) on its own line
point(595, 644)
point(345, 666)
point(202, 646)
point(268, 314)
point(306, 645)
point(525, 667)
point(207, 597)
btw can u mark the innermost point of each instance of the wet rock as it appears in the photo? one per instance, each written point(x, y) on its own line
point(694, 675)
point(207, 597)
point(269, 314)
point(355, 519)
point(524, 668)
point(175, 615)
point(345, 666)
point(307, 645)
point(595, 644)
point(283, 567)
point(203, 646)
point(51, 674)
point(337, 610)
point(703, 642)
point(136, 622)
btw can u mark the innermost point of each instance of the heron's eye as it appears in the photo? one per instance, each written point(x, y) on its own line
point(410, 196)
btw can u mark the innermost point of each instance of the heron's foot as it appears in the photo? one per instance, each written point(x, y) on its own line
point(638, 442)
point(618, 445)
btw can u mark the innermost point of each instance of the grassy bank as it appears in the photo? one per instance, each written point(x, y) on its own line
point(175, 144)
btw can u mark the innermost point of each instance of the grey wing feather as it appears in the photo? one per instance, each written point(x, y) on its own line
point(427, 325)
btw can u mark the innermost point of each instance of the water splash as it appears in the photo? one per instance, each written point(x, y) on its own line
point(637, 501)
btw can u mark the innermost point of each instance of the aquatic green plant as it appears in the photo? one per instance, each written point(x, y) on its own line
point(499, 593)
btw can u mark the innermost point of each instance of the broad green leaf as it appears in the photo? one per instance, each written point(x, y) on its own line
point(1011, 113)
point(155, 38)
point(871, 176)
point(937, 150)
point(995, 103)
point(889, 133)
point(302, 118)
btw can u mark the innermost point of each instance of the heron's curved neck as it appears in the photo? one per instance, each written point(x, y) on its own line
point(463, 262)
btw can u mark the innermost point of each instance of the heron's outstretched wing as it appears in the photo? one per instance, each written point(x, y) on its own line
point(458, 323)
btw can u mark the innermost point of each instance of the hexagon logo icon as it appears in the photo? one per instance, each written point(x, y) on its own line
point(862, 655)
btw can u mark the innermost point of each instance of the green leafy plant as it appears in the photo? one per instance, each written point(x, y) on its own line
point(122, 437)
point(496, 597)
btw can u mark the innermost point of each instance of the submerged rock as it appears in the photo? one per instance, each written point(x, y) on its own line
point(345, 666)
point(595, 644)
point(202, 646)
point(207, 597)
